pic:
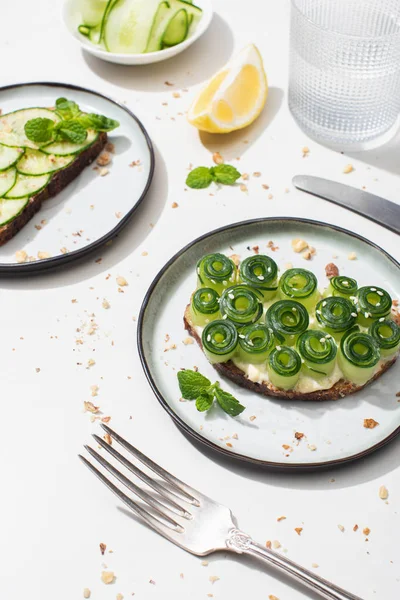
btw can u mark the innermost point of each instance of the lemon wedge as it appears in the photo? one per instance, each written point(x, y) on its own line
point(234, 97)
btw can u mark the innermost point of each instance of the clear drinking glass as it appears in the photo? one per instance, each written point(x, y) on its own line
point(344, 82)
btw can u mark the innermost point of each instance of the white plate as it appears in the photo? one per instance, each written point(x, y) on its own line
point(334, 428)
point(72, 18)
point(91, 209)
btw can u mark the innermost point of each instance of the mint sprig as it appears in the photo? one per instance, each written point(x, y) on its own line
point(194, 386)
point(72, 127)
point(202, 177)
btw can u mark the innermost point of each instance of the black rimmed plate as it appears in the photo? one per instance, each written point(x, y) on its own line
point(97, 204)
point(264, 433)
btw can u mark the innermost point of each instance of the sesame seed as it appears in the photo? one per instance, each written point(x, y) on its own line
point(225, 317)
point(366, 315)
point(353, 314)
point(373, 289)
point(381, 319)
point(324, 303)
point(379, 293)
point(209, 338)
point(278, 348)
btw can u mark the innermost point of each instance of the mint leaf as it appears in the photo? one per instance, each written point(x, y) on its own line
point(228, 403)
point(199, 178)
point(192, 384)
point(71, 131)
point(225, 174)
point(67, 109)
point(97, 122)
point(39, 130)
point(204, 402)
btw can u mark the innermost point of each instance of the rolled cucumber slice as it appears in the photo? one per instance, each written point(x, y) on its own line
point(35, 162)
point(177, 29)
point(164, 17)
point(12, 132)
point(7, 180)
point(9, 209)
point(27, 185)
point(128, 25)
point(66, 148)
point(9, 156)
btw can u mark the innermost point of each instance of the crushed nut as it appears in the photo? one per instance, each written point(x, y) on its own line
point(298, 530)
point(245, 176)
point(110, 147)
point(312, 447)
point(370, 423)
point(314, 565)
point(91, 363)
point(366, 531)
point(305, 151)
point(94, 389)
point(252, 418)
point(276, 545)
point(298, 245)
point(104, 159)
point(331, 270)
point(204, 563)
point(105, 304)
point(272, 597)
point(21, 256)
point(355, 527)
point(298, 435)
point(104, 171)
point(279, 519)
point(174, 205)
point(86, 593)
point(188, 341)
point(119, 597)
point(121, 281)
point(63, 250)
point(102, 548)
point(352, 256)
point(43, 255)
point(243, 187)
point(235, 258)
point(107, 577)
point(348, 169)
point(307, 255)
point(217, 158)
point(268, 545)
point(90, 407)
point(341, 528)
point(108, 439)
point(213, 578)
point(145, 253)
point(383, 493)
point(265, 186)
point(256, 174)
point(256, 249)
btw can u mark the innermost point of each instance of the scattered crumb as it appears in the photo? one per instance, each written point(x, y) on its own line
point(174, 205)
point(145, 253)
point(181, 575)
point(107, 438)
point(252, 418)
point(256, 249)
point(121, 281)
point(265, 186)
point(341, 528)
point(348, 169)
point(110, 147)
point(104, 159)
point(152, 582)
point(298, 245)
point(279, 519)
point(90, 407)
point(314, 565)
point(235, 436)
point(168, 83)
point(204, 563)
point(118, 215)
point(355, 527)
point(103, 171)
point(352, 256)
point(307, 255)
point(135, 163)
point(188, 341)
point(94, 389)
point(383, 493)
point(305, 151)
point(86, 593)
point(331, 270)
point(37, 370)
point(21, 256)
point(42, 255)
point(268, 545)
point(289, 265)
point(256, 174)
point(119, 597)
point(229, 445)
point(270, 196)
point(366, 531)
point(106, 420)
point(176, 95)
point(105, 304)
point(102, 548)
point(63, 250)
point(91, 363)
point(217, 158)
point(298, 435)
point(213, 578)
point(298, 530)
point(370, 423)
point(312, 447)
point(272, 597)
point(245, 176)
point(107, 577)
point(236, 260)
point(276, 545)
point(243, 187)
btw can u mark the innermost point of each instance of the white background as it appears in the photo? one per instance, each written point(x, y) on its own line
point(53, 512)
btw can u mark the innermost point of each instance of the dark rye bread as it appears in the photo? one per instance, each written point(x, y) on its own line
point(58, 182)
point(341, 389)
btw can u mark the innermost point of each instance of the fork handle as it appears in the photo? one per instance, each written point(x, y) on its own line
point(243, 544)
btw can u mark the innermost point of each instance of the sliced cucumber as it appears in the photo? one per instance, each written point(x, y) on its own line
point(177, 29)
point(36, 162)
point(27, 185)
point(92, 11)
point(7, 180)
point(84, 30)
point(94, 34)
point(65, 148)
point(9, 209)
point(12, 132)
point(103, 23)
point(163, 19)
point(9, 156)
point(128, 25)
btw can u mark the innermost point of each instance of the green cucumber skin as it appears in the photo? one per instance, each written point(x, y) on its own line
point(52, 170)
point(8, 197)
point(176, 30)
point(15, 161)
point(2, 223)
point(32, 145)
point(13, 183)
point(158, 29)
point(80, 149)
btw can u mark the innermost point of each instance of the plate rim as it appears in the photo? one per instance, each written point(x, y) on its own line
point(187, 429)
point(63, 259)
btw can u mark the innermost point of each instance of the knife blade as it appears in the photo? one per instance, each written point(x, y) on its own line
point(368, 205)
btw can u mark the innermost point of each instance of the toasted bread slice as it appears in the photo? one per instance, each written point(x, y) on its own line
point(58, 182)
point(339, 390)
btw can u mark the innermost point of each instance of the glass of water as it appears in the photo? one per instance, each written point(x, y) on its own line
point(344, 82)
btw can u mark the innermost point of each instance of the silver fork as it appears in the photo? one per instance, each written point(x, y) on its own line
point(190, 519)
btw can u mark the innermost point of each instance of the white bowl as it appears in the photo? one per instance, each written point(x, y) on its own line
point(71, 17)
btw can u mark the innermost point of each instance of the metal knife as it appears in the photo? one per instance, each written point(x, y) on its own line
point(368, 205)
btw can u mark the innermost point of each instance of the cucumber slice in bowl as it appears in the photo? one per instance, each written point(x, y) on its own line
point(7, 180)
point(10, 209)
point(12, 126)
point(66, 148)
point(35, 162)
point(9, 156)
point(177, 29)
point(92, 11)
point(128, 25)
point(163, 19)
point(27, 185)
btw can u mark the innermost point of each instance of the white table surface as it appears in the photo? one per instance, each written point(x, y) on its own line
point(53, 513)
